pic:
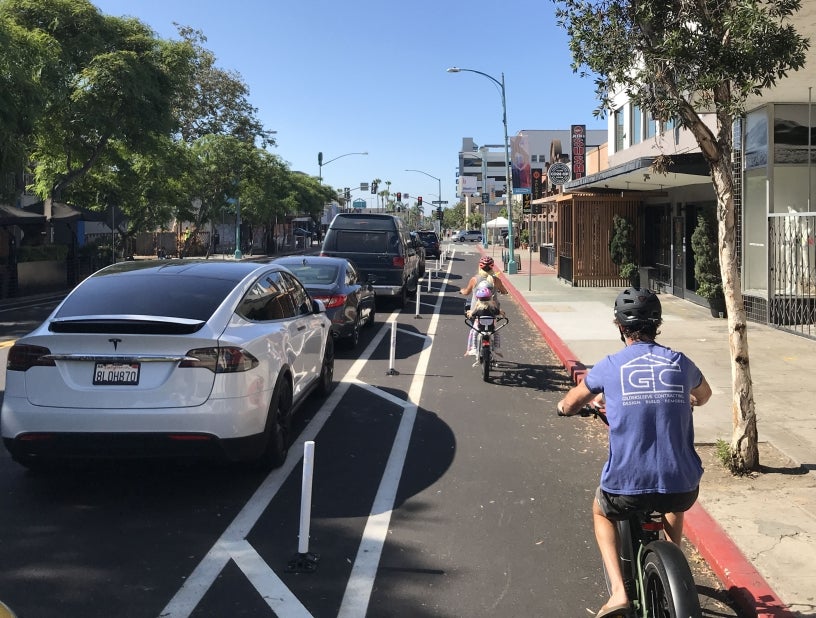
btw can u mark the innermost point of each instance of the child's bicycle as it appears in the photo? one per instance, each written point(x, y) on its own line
point(486, 326)
point(656, 574)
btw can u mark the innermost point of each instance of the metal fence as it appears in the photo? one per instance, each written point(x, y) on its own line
point(792, 272)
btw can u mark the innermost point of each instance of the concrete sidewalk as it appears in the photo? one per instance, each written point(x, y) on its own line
point(757, 534)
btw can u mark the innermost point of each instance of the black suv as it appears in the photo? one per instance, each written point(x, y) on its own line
point(380, 247)
point(430, 241)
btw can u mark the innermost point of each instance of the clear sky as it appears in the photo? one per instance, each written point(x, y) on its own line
point(369, 76)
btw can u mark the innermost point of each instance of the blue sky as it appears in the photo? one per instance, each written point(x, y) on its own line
point(369, 76)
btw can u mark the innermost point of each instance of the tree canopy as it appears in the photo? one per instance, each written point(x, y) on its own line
point(102, 111)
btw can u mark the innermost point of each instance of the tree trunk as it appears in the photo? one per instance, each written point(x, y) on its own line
point(744, 447)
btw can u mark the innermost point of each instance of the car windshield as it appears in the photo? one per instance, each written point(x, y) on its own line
point(187, 297)
point(309, 274)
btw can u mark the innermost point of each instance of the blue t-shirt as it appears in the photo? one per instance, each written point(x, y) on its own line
point(651, 433)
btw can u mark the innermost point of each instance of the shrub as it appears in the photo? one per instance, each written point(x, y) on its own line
point(705, 246)
point(40, 253)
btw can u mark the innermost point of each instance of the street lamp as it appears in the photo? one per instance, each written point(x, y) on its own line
point(439, 183)
point(321, 162)
point(512, 267)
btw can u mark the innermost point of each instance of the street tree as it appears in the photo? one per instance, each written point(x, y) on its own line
point(110, 80)
point(215, 101)
point(682, 60)
point(21, 98)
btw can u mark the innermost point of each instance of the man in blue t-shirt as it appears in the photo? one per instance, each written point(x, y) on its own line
point(649, 391)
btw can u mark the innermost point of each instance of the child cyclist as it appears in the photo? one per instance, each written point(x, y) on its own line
point(484, 305)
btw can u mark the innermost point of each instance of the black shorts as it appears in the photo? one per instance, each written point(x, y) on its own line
point(619, 506)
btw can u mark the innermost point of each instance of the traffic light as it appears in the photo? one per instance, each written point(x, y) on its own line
point(399, 196)
point(419, 201)
point(348, 194)
point(439, 213)
point(373, 188)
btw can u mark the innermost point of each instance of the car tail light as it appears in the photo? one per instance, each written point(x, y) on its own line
point(398, 261)
point(220, 360)
point(22, 357)
point(331, 301)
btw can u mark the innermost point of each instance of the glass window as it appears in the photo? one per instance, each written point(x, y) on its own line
point(269, 298)
point(650, 130)
point(637, 124)
point(669, 124)
point(148, 293)
point(619, 129)
point(300, 298)
point(351, 275)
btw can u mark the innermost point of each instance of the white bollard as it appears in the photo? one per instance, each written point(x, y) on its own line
point(392, 355)
point(429, 282)
point(418, 295)
point(306, 496)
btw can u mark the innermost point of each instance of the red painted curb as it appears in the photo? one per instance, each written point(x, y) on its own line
point(747, 587)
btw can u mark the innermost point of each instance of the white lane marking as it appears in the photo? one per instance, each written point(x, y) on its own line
point(363, 573)
point(279, 598)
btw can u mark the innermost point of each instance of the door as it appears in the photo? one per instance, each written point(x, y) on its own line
point(679, 257)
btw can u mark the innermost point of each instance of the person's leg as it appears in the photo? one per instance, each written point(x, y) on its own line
point(606, 535)
point(673, 526)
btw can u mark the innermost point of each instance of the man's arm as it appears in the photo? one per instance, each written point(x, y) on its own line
point(575, 399)
point(701, 393)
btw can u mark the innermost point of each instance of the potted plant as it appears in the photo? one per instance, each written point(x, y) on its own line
point(705, 246)
point(622, 250)
point(525, 238)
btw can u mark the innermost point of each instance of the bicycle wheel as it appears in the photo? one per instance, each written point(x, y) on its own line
point(668, 586)
point(486, 360)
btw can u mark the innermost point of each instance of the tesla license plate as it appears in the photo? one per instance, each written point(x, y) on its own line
point(116, 374)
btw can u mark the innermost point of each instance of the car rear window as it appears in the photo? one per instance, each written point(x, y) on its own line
point(428, 236)
point(384, 223)
point(310, 274)
point(188, 297)
point(361, 242)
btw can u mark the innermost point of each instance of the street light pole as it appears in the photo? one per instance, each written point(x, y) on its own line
point(439, 185)
point(512, 266)
point(321, 162)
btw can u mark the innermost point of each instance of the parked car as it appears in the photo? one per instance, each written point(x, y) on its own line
point(469, 235)
point(349, 300)
point(381, 249)
point(430, 241)
point(186, 357)
point(420, 251)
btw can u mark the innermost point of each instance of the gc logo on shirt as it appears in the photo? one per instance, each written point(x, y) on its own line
point(650, 375)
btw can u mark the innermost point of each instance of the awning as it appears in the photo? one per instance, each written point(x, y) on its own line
point(11, 215)
point(64, 213)
point(637, 175)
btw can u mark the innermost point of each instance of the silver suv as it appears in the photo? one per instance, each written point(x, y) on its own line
point(471, 235)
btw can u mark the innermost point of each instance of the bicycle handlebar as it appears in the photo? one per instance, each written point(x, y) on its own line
point(590, 410)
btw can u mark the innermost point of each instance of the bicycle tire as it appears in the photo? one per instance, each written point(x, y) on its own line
point(486, 360)
point(668, 586)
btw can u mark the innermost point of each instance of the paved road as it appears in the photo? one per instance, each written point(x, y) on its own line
point(434, 494)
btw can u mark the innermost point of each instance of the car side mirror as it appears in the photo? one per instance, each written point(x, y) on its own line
point(318, 306)
point(371, 279)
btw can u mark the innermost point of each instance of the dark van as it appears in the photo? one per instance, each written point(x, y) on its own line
point(380, 248)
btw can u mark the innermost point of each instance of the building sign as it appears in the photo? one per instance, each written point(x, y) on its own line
point(467, 185)
point(559, 173)
point(578, 151)
point(538, 183)
point(526, 204)
point(520, 155)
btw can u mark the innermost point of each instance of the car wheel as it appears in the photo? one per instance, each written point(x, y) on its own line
point(354, 338)
point(326, 384)
point(278, 425)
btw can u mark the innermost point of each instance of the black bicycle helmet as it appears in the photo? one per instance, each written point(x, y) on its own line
point(636, 306)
